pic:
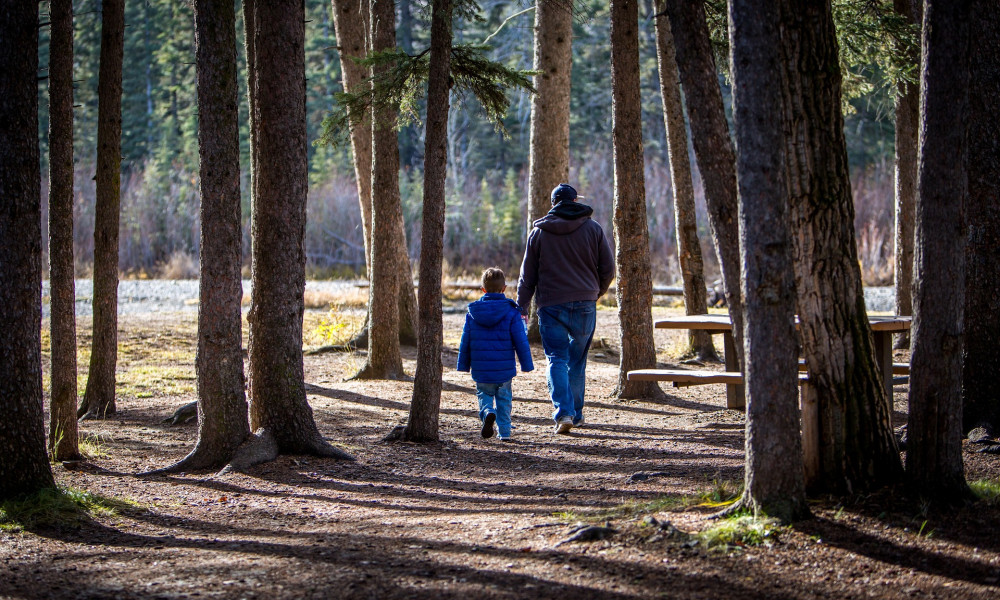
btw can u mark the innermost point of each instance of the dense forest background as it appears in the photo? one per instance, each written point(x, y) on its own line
point(487, 182)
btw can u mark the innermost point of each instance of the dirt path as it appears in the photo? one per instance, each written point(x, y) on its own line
point(468, 517)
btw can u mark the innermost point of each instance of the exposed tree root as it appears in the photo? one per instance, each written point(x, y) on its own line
point(323, 449)
point(200, 459)
point(396, 434)
point(650, 392)
point(368, 372)
point(93, 414)
point(260, 447)
point(182, 415)
point(786, 514)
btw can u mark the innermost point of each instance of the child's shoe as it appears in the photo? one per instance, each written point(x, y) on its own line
point(488, 422)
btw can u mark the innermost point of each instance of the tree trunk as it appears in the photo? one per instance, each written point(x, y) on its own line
point(688, 247)
point(63, 431)
point(548, 158)
point(980, 388)
point(426, 402)
point(713, 148)
point(277, 388)
point(99, 397)
point(907, 127)
point(934, 429)
point(222, 405)
point(350, 20)
point(635, 284)
point(774, 481)
point(249, 40)
point(384, 361)
point(857, 451)
point(24, 468)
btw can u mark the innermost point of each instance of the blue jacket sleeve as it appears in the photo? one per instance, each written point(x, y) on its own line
point(528, 279)
point(464, 354)
point(520, 339)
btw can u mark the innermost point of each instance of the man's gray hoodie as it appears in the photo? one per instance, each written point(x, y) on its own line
point(567, 259)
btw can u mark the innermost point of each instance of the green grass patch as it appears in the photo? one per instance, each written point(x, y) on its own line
point(334, 328)
point(988, 490)
point(741, 530)
point(59, 507)
point(92, 446)
point(145, 381)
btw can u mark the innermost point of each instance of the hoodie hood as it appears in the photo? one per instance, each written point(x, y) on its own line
point(565, 218)
point(491, 308)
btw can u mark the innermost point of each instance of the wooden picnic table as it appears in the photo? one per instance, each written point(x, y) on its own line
point(882, 329)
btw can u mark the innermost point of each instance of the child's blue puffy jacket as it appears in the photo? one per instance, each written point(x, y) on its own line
point(493, 333)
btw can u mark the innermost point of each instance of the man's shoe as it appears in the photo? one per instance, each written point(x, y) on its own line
point(579, 423)
point(563, 425)
point(488, 422)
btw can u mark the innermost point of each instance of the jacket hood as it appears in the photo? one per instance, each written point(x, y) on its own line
point(490, 309)
point(565, 218)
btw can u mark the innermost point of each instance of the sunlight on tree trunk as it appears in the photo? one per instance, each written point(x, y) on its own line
point(222, 405)
point(548, 160)
point(635, 284)
point(278, 403)
point(688, 246)
point(907, 128)
point(63, 430)
point(713, 148)
point(384, 361)
point(774, 480)
point(426, 401)
point(99, 397)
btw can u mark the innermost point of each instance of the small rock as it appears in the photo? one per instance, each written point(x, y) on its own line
point(980, 435)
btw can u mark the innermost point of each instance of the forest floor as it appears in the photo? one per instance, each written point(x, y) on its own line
point(469, 517)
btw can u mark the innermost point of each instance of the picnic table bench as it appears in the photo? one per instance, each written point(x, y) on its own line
point(882, 330)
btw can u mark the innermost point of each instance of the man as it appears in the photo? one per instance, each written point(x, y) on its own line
point(567, 266)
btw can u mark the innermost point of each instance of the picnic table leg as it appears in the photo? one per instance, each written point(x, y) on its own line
point(735, 394)
point(883, 358)
point(810, 433)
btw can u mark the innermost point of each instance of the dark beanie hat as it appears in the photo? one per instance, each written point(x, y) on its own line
point(563, 191)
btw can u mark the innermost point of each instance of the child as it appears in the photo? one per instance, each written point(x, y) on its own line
point(493, 333)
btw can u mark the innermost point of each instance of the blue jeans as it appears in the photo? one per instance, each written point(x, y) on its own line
point(567, 330)
point(495, 398)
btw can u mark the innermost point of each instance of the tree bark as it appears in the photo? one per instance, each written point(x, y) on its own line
point(688, 247)
point(774, 480)
point(857, 451)
point(426, 402)
point(548, 159)
point(907, 127)
point(278, 404)
point(99, 397)
point(350, 21)
point(934, 428)
point(635, 284)
point(24, 467)
point(222, 405)
point(713, 148)
point(63, 430)
point(980, 388)
point(384, 361)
